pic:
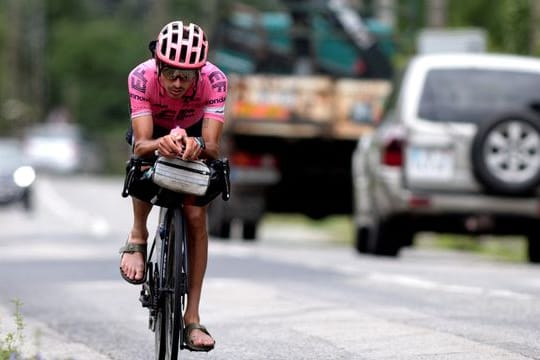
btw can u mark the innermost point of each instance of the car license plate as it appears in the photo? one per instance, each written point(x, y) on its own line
point(429, 163)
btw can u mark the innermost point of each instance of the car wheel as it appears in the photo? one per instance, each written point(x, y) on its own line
point(28, 204)
point(384, 240)
point(506, 154)
point(533, 248)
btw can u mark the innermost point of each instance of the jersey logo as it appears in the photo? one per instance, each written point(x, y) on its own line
point(218, 81)
point(138, 82)
point(217, 101)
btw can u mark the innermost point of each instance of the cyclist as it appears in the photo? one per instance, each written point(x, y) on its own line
point(177, 103)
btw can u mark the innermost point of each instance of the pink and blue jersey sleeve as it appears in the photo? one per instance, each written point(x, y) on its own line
point(139, 80)
point(217, 85)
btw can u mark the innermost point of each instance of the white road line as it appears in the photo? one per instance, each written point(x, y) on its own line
point(358, 274)
point(415, 282)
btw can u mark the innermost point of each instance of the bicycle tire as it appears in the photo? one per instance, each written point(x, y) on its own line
point(176, 280)
point(160, 261)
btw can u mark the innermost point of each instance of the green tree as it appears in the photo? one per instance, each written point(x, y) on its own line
point(507, 22)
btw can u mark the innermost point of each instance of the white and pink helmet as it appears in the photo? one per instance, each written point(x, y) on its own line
point(182, 46)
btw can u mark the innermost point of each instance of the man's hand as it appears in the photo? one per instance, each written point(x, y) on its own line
point(170, 145)
point(192, 148)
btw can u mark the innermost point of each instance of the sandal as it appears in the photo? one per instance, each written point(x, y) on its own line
point(131, 248)
point(189, 343)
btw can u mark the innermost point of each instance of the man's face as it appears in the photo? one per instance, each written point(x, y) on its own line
point(177, 81)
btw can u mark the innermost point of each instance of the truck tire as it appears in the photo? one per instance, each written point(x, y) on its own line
point(219, 225)
point(505, 154)
point(249, 230)
point(361, 241)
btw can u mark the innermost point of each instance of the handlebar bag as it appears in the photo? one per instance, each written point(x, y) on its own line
point(183, 176)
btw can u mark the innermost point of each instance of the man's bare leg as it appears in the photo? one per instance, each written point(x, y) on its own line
point(133, 264)
point(198, 258)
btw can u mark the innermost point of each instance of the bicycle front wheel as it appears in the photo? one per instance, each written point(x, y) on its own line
point(176, 281)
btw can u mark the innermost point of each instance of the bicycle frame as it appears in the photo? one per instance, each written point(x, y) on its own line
point(166, 286)
point(167, 283)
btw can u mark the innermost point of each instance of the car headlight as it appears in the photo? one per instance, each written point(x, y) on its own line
point(24, 176)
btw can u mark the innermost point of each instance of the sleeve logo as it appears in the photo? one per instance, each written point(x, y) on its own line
point(138, 81)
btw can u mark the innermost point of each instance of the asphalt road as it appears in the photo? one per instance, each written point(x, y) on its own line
point(290, 295)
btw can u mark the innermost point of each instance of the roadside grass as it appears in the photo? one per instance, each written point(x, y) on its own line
point(340, 230)
point(505, 248)
point(337, 229)
point(12, 341)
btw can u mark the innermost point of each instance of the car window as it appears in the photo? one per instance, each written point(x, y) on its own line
point(471, 95)
point(391, 100)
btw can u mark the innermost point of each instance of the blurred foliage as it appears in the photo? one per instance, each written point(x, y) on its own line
point(77, 54)
point(507, 21)
point(89, 46)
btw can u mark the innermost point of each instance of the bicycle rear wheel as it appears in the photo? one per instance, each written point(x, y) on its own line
point(175, 282)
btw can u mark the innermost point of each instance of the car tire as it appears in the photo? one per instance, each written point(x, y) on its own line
point(27, 201)
point(533, 244)
point(506, 154)
point(384, 239)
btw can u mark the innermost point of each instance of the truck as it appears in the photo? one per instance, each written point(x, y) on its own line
point(304, 85)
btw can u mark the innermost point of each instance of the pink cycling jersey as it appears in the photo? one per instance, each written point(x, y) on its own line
point(148, 97)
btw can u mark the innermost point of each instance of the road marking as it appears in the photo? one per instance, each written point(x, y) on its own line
point(418, 283)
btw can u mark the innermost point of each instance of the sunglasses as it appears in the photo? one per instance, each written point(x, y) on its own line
point(173, 73)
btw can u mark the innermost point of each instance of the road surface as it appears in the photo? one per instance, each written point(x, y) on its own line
point(294, 294)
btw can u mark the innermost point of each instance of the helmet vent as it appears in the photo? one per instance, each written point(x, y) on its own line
point(164, 46)
point(193, 57)
point(183, 53)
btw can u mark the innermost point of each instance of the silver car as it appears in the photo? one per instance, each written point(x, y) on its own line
point(16, 176)
point(457, 151)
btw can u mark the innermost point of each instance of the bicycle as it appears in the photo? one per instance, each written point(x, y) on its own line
point(166, 286)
